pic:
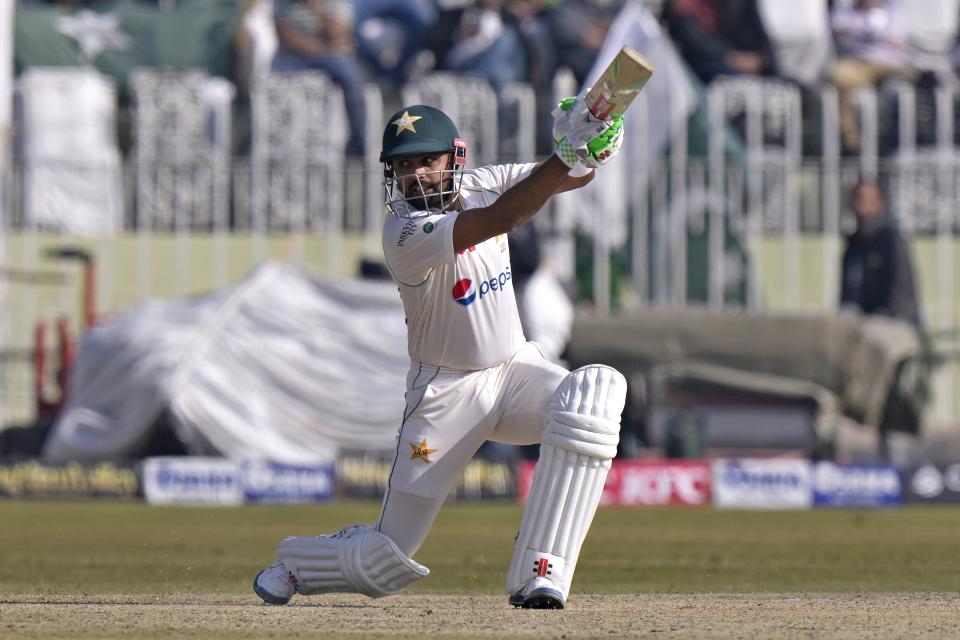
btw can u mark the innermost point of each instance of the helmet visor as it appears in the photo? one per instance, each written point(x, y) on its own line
point(416, 191)
point(422, 192)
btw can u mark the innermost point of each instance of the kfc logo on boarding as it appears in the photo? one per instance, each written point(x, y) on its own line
point(465, 292)
point(658, 483)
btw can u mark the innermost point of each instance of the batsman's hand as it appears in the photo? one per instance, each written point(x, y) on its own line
point(572, 121)
point(597, 150)
point(604, 146)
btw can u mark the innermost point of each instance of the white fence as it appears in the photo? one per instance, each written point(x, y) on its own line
point(745, 208)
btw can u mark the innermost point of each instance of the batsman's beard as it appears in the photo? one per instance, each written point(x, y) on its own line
point(427, 197)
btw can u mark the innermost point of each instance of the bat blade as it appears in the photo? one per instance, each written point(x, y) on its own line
point(619, 84)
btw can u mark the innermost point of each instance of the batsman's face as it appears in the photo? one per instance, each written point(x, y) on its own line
point(423, 176)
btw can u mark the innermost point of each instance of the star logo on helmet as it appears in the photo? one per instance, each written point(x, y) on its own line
point(420, 451)
point(405, 122)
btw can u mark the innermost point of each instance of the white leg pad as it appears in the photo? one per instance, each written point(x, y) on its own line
point(579, 442)
point(358, 559)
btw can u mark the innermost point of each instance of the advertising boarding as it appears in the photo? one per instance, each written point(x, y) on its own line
point(644, 483)
point(932, 484)
point(28, 478)
point(836, 485)
point(192, 480)
point(658, 483)
point(197, 480)
point(744, 483)
point(270, 483)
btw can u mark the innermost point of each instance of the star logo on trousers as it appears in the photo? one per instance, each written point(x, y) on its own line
point(420, 451)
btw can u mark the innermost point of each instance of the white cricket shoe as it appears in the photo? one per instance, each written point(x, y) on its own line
point(275, 584)
point(538, 593)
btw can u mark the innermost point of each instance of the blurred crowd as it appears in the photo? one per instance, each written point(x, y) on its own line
point(847, 43)
point(506, 41)
point(862, 43)
point(391, 42)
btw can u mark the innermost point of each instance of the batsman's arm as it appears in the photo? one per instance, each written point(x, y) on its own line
point(517, 205)
point(578, 177)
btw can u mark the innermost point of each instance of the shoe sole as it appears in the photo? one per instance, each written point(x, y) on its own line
point(538, 599)
point(267, 597)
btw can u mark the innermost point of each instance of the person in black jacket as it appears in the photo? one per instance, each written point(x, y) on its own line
point(720, 37)
point(877, 270)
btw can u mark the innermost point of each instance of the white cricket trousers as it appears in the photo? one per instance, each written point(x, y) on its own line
point(448, 415)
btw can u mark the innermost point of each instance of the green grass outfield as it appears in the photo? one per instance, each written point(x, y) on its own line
point(89, 548)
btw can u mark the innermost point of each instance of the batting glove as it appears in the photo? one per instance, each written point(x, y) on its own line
point(604, 146)
point(597, 150)
point(572, 121)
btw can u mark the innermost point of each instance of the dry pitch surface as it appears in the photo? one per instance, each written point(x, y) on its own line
point(447, 616)
point(126, 570)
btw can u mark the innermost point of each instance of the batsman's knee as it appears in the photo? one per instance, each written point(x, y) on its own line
point(584, 414)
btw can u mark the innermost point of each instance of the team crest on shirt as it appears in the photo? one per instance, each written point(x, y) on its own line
point(421, 451)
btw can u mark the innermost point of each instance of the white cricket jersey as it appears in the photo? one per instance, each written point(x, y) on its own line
point(460, 307)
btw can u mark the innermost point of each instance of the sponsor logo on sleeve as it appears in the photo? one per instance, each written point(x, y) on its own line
point(409, 228)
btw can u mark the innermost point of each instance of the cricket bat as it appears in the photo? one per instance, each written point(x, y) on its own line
point(619, 84)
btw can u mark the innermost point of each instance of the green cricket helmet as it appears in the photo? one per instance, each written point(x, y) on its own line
point(419, 130)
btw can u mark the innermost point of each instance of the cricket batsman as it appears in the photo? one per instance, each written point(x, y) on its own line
point(473, 377)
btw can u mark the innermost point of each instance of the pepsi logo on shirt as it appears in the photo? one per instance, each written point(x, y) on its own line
point(465, 292)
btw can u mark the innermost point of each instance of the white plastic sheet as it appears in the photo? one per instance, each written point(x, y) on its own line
point(281, 367)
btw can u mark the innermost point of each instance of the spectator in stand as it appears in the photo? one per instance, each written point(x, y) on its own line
point(318, 35)
point(720, 37)
point(871, 47)
point(534, 23)
point(488, 45)
point(439, 40)
point(579, 28)
point(390, 33)
point(877, 274)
